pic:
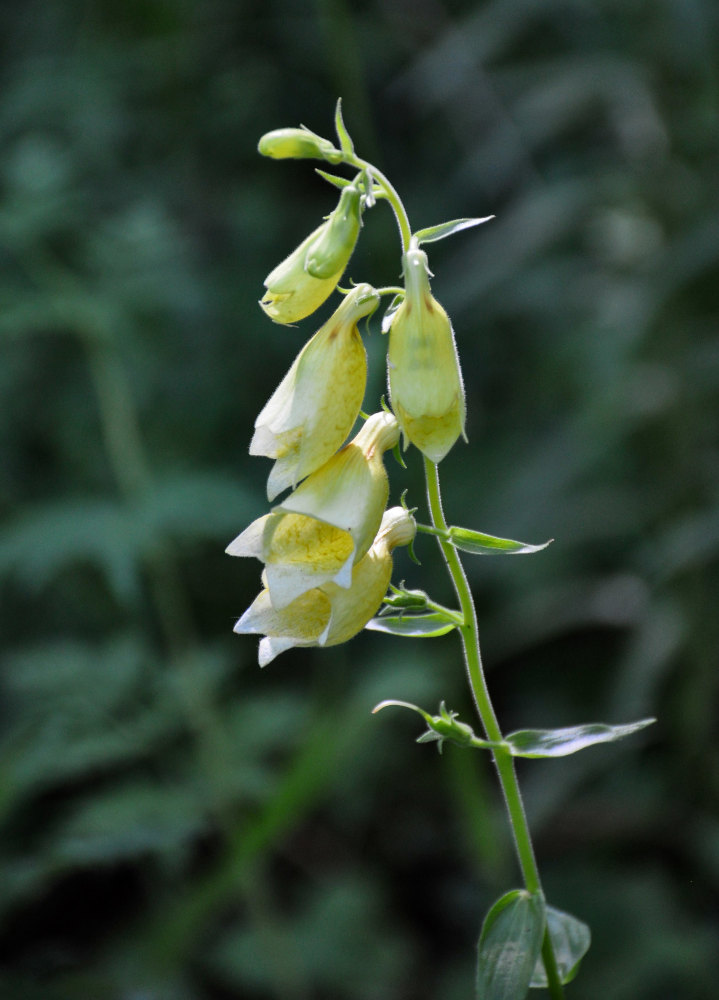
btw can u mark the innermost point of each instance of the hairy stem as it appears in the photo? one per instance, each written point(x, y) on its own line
point(469, 632)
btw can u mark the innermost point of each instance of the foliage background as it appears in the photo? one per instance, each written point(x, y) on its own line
point(176, 824)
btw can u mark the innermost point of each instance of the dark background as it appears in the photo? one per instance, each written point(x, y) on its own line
point(176, 824)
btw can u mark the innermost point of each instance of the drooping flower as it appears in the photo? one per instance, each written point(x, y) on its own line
point(322, 529)
point(302, 282)
point(316, 404)
point(425, 381)
point(329, 615)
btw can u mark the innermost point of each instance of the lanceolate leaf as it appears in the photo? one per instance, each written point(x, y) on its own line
point(480, 544)
point(338, 182)
point(414, 626)
point(570, 939)
point(434, 233)
point(342, 133)
point(509, 946)
point(562, 742)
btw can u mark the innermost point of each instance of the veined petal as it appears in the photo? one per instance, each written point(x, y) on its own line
point(303, 621)
point(330, 615)
point(425, 381)
point(350, 491)
point(301, 553)
point(250, 541)
point(353, 608)
point(313, 409)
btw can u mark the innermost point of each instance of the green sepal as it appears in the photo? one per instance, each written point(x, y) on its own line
point(509, 946)
point(562, 742)
point(341, 129)
point(434, 233)
point(390, 311)
point(334, 179)
point(416, 600)
point(442, 727)
point(413, 626)
point(571, 939)
point(479, 544)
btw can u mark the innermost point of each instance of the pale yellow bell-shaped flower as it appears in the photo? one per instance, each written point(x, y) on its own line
point(329, 615)
point(322, 529)
point(425, 381)
point(301, 283)
point(314, 407)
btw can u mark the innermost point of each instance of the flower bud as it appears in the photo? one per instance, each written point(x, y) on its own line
point(333, 247)
point(297, 144)
point(425, 382)
point(329, 615)
point(316, 404)
point(301, 283)
point(321, 530)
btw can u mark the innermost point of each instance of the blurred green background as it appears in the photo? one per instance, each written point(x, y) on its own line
point(176, 824)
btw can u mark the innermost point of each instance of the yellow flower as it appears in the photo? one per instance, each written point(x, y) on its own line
point(425, 382)
point(301, 283)
point(316, 404)
point(329, 615)
point(320, 531)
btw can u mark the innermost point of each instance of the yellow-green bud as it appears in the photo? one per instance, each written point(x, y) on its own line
point(297, 144)
point(425, 381)
point(293, 291)
point(334, 246)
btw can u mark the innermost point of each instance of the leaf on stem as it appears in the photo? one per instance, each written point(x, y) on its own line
point(479, 544)
point(434, 233)
point(413, 626)
point(509, 946)
point(570, 940)
point(562, 742)
point(334, 179)
point(342, 133)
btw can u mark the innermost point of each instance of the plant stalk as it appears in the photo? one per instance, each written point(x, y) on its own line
point(469, 632)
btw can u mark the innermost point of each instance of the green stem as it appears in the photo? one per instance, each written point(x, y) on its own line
point(405, 232)
point(469, 632)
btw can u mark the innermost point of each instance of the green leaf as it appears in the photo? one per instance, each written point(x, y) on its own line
point(434, 233)
point(342, 133)
point(413, 626)
point(562, 742)
point(570, 939)
point(479, 544)
point(509, 946)
point(334, 179)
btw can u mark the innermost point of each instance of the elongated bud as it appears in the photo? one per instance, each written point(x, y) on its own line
point(425, 382)
point(310, 414)
point(333, 247)
point(297, 144)
point(293, 290)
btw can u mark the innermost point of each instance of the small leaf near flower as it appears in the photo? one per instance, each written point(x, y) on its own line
point(413, 626)
point(562, 742)
point(434, 233)
point(334, 179)
point(479, 544)
point(342, 133)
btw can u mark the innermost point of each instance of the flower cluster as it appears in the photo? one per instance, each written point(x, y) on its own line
point(327, 546)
